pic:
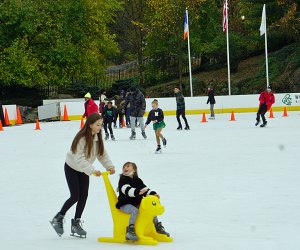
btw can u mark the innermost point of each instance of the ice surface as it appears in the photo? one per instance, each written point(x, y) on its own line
point(225, 185)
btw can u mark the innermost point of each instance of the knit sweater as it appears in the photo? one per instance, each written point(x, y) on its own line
point(81, 163)
point(129, 189)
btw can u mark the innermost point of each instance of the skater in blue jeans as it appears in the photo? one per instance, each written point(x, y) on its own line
point(131, 191)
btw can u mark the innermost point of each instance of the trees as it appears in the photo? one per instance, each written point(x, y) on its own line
point(55, 42)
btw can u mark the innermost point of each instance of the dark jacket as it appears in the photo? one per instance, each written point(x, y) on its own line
point(129, 189)
point(155, 115)
point(119, 102)
point(180, 100)
point(211, 97)
point(137, 103)
point(108, 114)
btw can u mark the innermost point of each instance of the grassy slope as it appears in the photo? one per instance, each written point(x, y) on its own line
point(284, 70)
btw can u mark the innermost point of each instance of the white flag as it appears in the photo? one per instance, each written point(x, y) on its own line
point(263, 25)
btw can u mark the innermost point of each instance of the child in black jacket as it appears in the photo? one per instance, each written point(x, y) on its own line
point(156, 115)
point(108, 113)
point(132, 190)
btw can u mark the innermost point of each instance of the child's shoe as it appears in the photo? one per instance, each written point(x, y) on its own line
point(158, 150)
point(130, 233)
point(160, 229)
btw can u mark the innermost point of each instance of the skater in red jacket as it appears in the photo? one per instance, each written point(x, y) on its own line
point(266, 100)
point(90, 106)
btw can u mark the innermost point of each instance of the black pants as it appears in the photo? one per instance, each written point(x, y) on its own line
point(79, 187)
point(107, 124)
point(261, 113)
point(120, 115)
point(181, 112)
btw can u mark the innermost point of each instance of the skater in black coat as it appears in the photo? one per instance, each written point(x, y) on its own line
point(131, 191)
point(211, 100)
point(137, 103)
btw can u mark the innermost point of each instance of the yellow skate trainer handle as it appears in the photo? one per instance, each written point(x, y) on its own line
point(103, 173)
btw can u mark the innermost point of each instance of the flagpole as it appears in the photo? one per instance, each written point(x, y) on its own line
point(266, 48)
point(228, 57)
point(189, 51)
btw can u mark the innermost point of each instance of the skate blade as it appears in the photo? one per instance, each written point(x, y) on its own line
point(158, 152)
point(55, 230)
point(78, 236)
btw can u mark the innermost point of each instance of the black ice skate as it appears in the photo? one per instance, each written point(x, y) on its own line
point(164, 142)
point(257, 123)
point(158, 150)
point(112, 137)
point(133, 135)
point(106, 137)
point(179, 127)
point(187, 127)
point(161, 230)
point(115, 126)
point(76, 229)
point(130, 233)
point(144, 135)
point(264, 125)
point(58, 224)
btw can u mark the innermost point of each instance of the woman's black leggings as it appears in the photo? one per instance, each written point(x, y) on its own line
point(79, 187)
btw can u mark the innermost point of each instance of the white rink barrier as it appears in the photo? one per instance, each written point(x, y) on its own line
point(197, 105)
point(12, 113)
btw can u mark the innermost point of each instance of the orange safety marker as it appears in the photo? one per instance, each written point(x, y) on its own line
point(81, 123)
point(271, 114)
point(204, 118)
point(1, 127)
point(285, 114)
point(19, 118)
point(66, 117)
point(6, 118)
point(37, 125)
point(123, 123)
point(232, 118)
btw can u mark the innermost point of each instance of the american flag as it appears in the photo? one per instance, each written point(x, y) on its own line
point(225, 11)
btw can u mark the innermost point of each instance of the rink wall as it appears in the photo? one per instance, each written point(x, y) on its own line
point(197, 105)
point(12, 113)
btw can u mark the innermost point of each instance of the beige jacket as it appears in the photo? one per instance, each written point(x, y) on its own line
point(80, 163)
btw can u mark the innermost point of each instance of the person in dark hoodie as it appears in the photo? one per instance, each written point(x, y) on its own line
point(211, 100)
point(109, 114)
point(137, 103)
point(180, 109)
point(131, 192)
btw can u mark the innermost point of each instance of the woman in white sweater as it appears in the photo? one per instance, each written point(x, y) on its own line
point(86, 147)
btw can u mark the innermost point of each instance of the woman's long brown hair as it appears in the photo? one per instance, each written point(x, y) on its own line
point(86, 132)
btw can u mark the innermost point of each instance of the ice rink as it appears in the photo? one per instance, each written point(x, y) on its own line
point(225, 185)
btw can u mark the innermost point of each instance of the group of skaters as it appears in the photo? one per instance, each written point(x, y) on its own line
point(131, 105)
